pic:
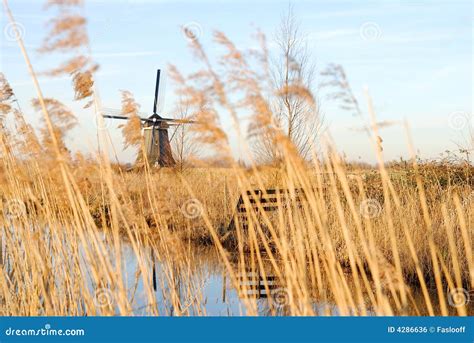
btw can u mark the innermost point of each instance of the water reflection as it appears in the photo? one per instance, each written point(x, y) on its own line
point(199, 286)
point(257, 285)
point(197, 283)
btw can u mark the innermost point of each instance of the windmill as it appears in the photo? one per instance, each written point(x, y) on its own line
point(155, 132)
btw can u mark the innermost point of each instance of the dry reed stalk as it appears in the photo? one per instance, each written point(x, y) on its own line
point(57, 253)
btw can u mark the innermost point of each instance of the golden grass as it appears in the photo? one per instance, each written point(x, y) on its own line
point(385, 252)
point(364, 241)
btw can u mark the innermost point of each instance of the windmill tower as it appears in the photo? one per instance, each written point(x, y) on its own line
point(155, 133)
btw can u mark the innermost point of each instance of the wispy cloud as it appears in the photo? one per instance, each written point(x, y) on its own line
point(356, 12)
point(331, 34)
point(411, 37)
point(126, 54)
point(43, 79)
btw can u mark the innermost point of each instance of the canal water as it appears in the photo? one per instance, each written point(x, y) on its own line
point(200, 285)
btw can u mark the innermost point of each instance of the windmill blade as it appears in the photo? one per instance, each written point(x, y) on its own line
point(125, 117)
point(115, 117)
point(157, 88)
point(113, 113)
point(169, 121)
point(117, 114)
point(179, 121)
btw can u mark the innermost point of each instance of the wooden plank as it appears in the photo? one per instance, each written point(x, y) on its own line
point(268, 200)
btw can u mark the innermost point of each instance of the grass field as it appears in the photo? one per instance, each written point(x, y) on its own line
point(378, 228)
point(365, 241)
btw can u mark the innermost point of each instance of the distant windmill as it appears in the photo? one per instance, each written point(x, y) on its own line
point(155, 132)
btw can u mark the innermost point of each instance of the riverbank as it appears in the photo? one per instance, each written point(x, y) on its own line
point(390, 231)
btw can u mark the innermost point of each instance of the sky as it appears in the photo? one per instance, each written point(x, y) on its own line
point(414, 58)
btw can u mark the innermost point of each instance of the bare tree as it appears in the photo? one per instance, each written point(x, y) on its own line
point(292, 68)
point(183, 140)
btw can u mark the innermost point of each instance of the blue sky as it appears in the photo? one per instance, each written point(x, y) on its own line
point(418, 68)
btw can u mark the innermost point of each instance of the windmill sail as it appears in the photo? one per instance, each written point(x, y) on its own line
point(157, 88)
point(155, 132)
